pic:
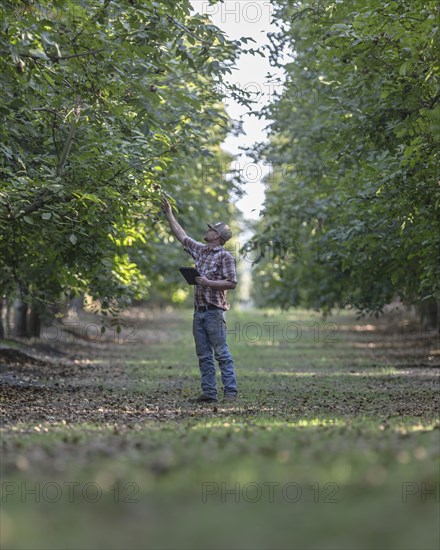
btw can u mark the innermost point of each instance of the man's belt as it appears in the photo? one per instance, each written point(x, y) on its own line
point(206, 307)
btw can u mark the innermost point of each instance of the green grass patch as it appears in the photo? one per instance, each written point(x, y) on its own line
point(330, 445)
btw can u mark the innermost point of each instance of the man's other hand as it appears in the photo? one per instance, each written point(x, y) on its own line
point(203, 281)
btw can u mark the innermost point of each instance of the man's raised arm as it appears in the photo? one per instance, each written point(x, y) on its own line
point(175, 227)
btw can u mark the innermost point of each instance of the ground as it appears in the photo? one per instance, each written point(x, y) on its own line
point(332, 444)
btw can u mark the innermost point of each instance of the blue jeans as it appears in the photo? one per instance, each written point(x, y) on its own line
point(209, 329)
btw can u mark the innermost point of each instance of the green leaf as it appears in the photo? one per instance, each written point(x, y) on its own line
point(38, 53)
point(91, 197)
point(403, 68)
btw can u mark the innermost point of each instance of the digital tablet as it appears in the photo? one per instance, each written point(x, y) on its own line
point(190, 274)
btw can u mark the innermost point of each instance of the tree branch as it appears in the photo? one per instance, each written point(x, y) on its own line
point(62, 57)
point(185, 29)
point(430, 104)
point(90, 52)
point(70, 137)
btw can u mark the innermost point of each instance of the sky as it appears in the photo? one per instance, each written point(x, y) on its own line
point(243, 18)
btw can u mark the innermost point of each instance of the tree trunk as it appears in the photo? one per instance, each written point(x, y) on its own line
point(74, 307)
point(429, 312)
point(34, 322)
point(20, 311)
point(8, 324)
point(2, 332)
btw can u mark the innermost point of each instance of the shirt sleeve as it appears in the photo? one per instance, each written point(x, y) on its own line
point(192, 247)
point(229, 271)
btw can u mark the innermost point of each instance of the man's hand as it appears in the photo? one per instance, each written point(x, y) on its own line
point(203, 281)
point(166, 207)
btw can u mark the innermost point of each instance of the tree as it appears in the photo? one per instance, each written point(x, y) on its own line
point(103, 104)
point(353, 207)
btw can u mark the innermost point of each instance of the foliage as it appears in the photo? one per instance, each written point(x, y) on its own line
point(354, 202)
point(105, 106)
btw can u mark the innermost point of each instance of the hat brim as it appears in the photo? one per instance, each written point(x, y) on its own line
point(222, 235)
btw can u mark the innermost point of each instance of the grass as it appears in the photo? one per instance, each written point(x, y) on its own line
point(333, 443)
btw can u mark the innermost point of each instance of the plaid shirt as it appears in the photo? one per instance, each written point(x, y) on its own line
point(215, 264)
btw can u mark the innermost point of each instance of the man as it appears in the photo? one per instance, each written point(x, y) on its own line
point(217, 269)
